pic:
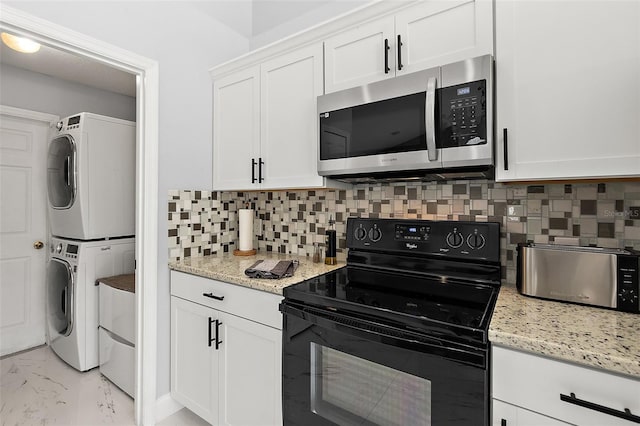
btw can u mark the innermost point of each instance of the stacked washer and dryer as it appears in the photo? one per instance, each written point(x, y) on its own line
point(91, 191)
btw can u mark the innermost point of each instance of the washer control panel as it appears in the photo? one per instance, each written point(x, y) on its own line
point(64, 249)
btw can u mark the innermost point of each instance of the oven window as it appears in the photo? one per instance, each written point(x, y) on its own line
point(348, 390)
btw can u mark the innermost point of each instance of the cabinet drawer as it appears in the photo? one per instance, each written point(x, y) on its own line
point(117, 312)
point(244, 302)
point(536, 383)
point(117, 361)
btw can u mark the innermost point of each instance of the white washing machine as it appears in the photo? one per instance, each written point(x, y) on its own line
point(91, 177)
point(72, 294)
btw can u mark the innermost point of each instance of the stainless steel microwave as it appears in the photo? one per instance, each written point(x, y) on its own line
point(431, 124)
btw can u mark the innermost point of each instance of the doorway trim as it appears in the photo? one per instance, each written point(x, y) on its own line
point(147, 95)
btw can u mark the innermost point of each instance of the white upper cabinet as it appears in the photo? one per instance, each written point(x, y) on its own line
point(358, 56)
point(435, 33)
point(236, 129)
point(290, 85)
point(265, 125)
point(428, 34)
point(568, 84)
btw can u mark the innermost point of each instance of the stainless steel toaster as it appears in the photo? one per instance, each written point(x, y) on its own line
point(586, 275)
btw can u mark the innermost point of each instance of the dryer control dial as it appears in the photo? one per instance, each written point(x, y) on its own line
point(59, 125)
point(59, 248)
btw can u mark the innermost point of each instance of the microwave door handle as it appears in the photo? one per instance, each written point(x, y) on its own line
point(430, 119)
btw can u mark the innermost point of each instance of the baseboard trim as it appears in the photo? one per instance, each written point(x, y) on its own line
point(166, 406)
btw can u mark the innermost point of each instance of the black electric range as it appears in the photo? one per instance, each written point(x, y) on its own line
point(412, 307)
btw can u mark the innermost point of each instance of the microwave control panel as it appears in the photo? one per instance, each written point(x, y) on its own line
point(463, 111)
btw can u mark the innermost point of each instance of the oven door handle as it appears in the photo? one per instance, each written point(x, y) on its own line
point(368, 329)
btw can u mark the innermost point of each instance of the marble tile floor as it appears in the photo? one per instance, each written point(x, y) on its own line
point(38, 388)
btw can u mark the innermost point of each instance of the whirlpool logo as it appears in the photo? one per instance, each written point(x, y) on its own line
point(411, 246)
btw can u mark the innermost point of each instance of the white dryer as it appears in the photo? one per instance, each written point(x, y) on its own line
point(91, 177)
point(72, 294)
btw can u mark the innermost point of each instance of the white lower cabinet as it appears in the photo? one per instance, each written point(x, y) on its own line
point(225, 368)
point(510, 415)
point(530, 390)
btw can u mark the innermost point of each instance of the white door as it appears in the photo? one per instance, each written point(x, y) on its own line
point(360, 56)
point(568, 81)
point(236, 131)
point(290, 85)
point(194, 359)
point(23, 228)
point(250, 373)
point(435, 33)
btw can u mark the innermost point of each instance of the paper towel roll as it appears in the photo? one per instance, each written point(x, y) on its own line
point(246, 230)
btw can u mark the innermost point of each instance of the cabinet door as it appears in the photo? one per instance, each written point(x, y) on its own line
point(194, 364)
point(290, 85)
point(250, 373)
point(357, 56)
point(572, 393)
point(435, 33)
point(504, 414)
point(236, 130)
point(568, 81)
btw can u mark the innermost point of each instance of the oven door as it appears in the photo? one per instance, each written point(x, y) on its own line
point(348, 371)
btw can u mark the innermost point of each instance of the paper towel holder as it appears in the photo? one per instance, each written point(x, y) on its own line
point(245, 226)
point(237, 252)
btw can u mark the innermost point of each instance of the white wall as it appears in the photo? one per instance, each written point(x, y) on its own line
point(186, 42)
point(298, 18)
point(38, 92)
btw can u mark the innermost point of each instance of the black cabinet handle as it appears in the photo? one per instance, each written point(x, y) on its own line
point(399, 48)
point(386, 56)
point(503, 422)
point(260, 164)
point(210, 338)
point(253, 170)
point(218, 341)
point(506, 149)
point(626, 414)
point(213, 296)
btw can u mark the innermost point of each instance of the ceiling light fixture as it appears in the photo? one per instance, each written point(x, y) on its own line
point(20, 44)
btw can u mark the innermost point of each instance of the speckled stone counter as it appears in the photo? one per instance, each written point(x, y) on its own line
point(229, 268)
point(590, 336)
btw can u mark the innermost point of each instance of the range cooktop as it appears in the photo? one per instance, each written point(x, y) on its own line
point(436, 277)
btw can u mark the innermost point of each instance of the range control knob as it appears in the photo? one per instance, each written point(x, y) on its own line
point(360, 233)
point(476, 241)
point(455, 238)
point(375, 234)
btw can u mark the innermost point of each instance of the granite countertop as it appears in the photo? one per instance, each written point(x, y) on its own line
point(229, 268)
point(585, 335)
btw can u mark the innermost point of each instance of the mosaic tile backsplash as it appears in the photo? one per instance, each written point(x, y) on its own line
point(597, 214)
